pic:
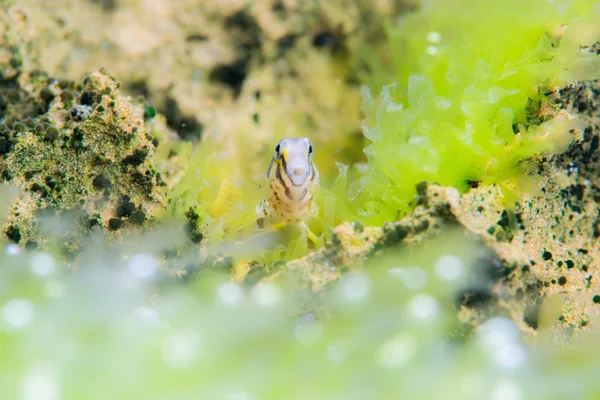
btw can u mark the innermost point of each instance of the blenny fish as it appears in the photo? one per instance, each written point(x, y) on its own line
point(292, 178)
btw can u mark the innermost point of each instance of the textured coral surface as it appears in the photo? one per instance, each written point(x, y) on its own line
point(458, 232)
point(80, 150)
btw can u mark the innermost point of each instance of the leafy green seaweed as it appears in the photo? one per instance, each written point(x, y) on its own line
point(453, 106)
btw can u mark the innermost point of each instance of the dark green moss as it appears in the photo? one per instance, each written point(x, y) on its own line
point(144, 182)
point(50, 182)
point(67, 97)
point(101, 182)
point(77, 139)
point(6, 145)
point(31, 245)
point(191, 227)
point(421, 188)
point(504, 222)
point(64, 84)
point(94, 221)
point(137, 158)
point(88, 98)
point(191, 214)
point(125, 207)
point(195, 237)
point(19, 127)
point(138, 217)
point(47, 95)
point(51, 134)
point(395, 233)
point(13, 233)
point(115, 224)
point(421, 227)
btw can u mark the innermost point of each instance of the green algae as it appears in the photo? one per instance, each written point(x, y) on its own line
point(457, 111)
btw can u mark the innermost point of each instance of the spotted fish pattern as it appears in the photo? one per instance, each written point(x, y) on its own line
point(292, 176)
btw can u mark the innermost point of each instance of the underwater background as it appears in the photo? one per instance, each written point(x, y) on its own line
point(458, 228)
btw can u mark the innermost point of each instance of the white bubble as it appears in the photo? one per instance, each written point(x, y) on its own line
point(414, 278)
point(13, 250)
point(18, 313)
point(230, 293)
point(424, 307)
point(355, 286)
point(336, 353)
point(181, 348)
point(497, 332)
point(142, 266)
point(55, 289)
point(146, 315)
point(265, 294)
point(506, 390)
point(432, 50)
point(308, 333)
point(40, 385)
point(449, 267)
point(42, 264)
point(501, 339)
point(434, 37)
point(511, 356)
point(398, 351)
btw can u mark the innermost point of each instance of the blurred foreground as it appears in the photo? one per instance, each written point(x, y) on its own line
point(121, 329)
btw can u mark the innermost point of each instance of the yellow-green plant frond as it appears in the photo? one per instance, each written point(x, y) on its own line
point(463, 76)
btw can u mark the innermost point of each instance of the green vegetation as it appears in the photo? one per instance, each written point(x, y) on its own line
point(454, 107)
point(154, 312)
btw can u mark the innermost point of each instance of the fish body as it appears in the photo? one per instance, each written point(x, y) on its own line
point(292, 177)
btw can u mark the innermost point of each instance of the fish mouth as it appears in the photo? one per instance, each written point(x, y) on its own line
point(298, 180)
point(298, 177)
point(296, 172)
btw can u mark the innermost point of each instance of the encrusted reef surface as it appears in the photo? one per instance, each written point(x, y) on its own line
point(77, 149)
point(543, 246)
